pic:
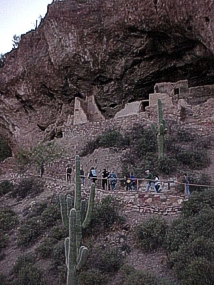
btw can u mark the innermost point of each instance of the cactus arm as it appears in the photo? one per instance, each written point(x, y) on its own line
point(90, 207)
point(72, 254)
point(83, 210)
point(78, 185)
point(78, 231)
point(160, 114)
point(69, 202)
point(63, 210)
point(154, 129)
point(161, 130)
point(66, 250)
point(82, 257)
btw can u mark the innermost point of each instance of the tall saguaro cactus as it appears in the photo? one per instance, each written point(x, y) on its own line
point(75, 217)
point(161, 130)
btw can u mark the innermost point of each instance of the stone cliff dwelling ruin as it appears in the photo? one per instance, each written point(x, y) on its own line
point(170, 93)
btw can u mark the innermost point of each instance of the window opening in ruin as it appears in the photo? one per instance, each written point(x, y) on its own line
point(143, 106)
point(176, 91)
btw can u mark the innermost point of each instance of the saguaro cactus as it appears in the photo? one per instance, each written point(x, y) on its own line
point(75, 217)
point(161, 130)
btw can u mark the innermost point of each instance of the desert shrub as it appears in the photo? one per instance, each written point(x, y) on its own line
point(106, 259)
point(50, 216)
point(110, 138)
point(91, 277)
point(29, 232)
point(5, 150)
point(197, 201)
point(21, 261)
point(3, 280)
point(28, 186)
point(150, 234)
point(5, 187)
point(8, 219)
point(37, 209)
point(198, 271)
point(90, 147)
point(167, 165)
point(32, 228)
point(200, 247)
point(104, 215)
point(45, 249)
point(202, 179)
point(58, 255)
point(58, 261)
point(195, 159)
point(128, 275)
point(3, 240)
point(29, 274)
point(202, 224)
point(177, 234)
point(58, 232)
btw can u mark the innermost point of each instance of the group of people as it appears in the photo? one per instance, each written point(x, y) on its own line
point(109, 180)
point(153, 182)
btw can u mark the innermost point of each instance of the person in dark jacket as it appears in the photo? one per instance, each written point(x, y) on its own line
point(105, 174)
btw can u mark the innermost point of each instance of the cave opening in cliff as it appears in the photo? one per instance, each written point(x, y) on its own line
point(5, 150)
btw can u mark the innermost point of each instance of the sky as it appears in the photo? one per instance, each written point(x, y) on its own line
point(18, 17)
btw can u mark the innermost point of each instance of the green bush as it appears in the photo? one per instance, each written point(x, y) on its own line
point(3, 240)
point(202, 179)
point(198, 271)
point(29, 232)
point(45, 249)
point(196, 159)
point(150, 234)
point(128, 275)
point(50, 216)
point(197, 248)
point(29, 274)
point(5, 187)
point(58, 232)
point(197, 201)
point(177, 233)
point(5, 150)
point(3, 280)
point(31, 229)
point(8, 219)
point(58, 255)
point(91, 277)
point(107, 260)
point(28, 186)
point(167, 165)
point(21, 261)
point(104, 215)
point(110, 138)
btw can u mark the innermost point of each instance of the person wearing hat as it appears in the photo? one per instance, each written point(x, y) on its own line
point(150, 181)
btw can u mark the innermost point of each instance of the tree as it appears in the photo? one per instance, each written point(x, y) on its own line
point(39, 156)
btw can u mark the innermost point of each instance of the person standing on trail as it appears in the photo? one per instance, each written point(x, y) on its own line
point(92, 175)
point(105, 174)
point(186, 185)
point(82, 177)
point(68, 173)
point(157, 184)
point(150, 181)
point(113, 180)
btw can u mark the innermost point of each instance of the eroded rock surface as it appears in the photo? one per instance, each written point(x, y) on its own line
point(114, 50)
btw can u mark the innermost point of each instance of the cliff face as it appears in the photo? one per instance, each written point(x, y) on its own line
point(116, 51)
